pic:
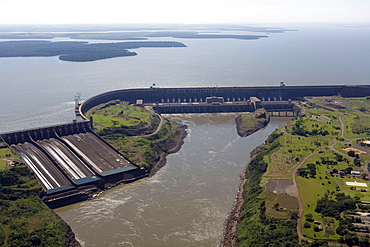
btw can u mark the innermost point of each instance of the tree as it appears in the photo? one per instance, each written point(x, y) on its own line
point(319, 243)
point(351, 153)
point(309, 217)
point(357, 162)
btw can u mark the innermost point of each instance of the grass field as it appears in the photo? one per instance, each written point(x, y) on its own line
point(324, 174)
point(2, 164)
point(6, 152)
point(117, 114)
point(293, 150)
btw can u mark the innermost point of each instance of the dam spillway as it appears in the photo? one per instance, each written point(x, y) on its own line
point(48, 174)
point(71, 166)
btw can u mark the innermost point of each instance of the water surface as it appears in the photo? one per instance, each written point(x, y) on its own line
point(185, 203)
point(40, 91)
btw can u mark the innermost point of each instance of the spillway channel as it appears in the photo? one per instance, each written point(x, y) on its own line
point(47, 173)
point(66, 159)
point(100, 155)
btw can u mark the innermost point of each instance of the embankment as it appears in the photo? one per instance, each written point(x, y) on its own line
point(172, 148)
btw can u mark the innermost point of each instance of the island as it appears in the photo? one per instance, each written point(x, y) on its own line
point(75, 51)
point(248, 123)
point(31, 41)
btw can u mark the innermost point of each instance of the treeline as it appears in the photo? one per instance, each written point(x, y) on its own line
point(24, 219)
point(77, 51)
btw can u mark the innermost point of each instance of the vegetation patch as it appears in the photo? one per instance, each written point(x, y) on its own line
point(305, 126)
point(326, 150)
point(25, 219)
point(119, 119)
point(360, 125)
point(249, 123)
point(256, 227)
point(136, 131)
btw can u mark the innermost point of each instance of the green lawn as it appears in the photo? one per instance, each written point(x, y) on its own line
point(6, 152)
point(2, 164)
point(117, 115)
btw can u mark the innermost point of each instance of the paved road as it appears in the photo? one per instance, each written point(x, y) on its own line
point(294, 173)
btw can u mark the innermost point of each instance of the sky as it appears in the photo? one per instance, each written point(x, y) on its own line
point(184, 11)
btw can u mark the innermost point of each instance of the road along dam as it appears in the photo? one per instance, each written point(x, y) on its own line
point(72, 163)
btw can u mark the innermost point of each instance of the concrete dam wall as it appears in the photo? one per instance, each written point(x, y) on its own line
point(230, 94)
point(196, 95)
point(67, 158)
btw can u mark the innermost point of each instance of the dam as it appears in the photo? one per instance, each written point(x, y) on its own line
point(72, 163)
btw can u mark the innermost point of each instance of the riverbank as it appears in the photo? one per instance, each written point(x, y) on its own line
point(231, 224)
point(180, 135)
point(245, 125)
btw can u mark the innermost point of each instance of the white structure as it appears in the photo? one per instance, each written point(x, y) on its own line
point(356, 184)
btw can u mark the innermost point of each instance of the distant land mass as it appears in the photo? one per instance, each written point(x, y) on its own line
point(31, 41)
point(75, 51)
point(135, 32)
point(124, 35)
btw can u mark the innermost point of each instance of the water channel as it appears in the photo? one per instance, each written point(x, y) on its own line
point(186, 203)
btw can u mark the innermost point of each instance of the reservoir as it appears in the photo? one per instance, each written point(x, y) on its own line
point(186, 203)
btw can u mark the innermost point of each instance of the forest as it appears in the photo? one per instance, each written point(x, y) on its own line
point(25, 219)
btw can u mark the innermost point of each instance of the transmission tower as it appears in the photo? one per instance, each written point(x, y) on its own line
point(77, 100)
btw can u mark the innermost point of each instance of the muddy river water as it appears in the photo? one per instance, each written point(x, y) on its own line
point(186, 203)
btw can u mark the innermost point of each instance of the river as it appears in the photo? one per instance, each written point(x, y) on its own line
point(186, 203)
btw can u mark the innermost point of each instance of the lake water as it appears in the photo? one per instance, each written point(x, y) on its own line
point(187, 201)
point(40, 91)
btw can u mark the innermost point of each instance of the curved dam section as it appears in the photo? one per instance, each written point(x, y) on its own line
point(189, 96)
